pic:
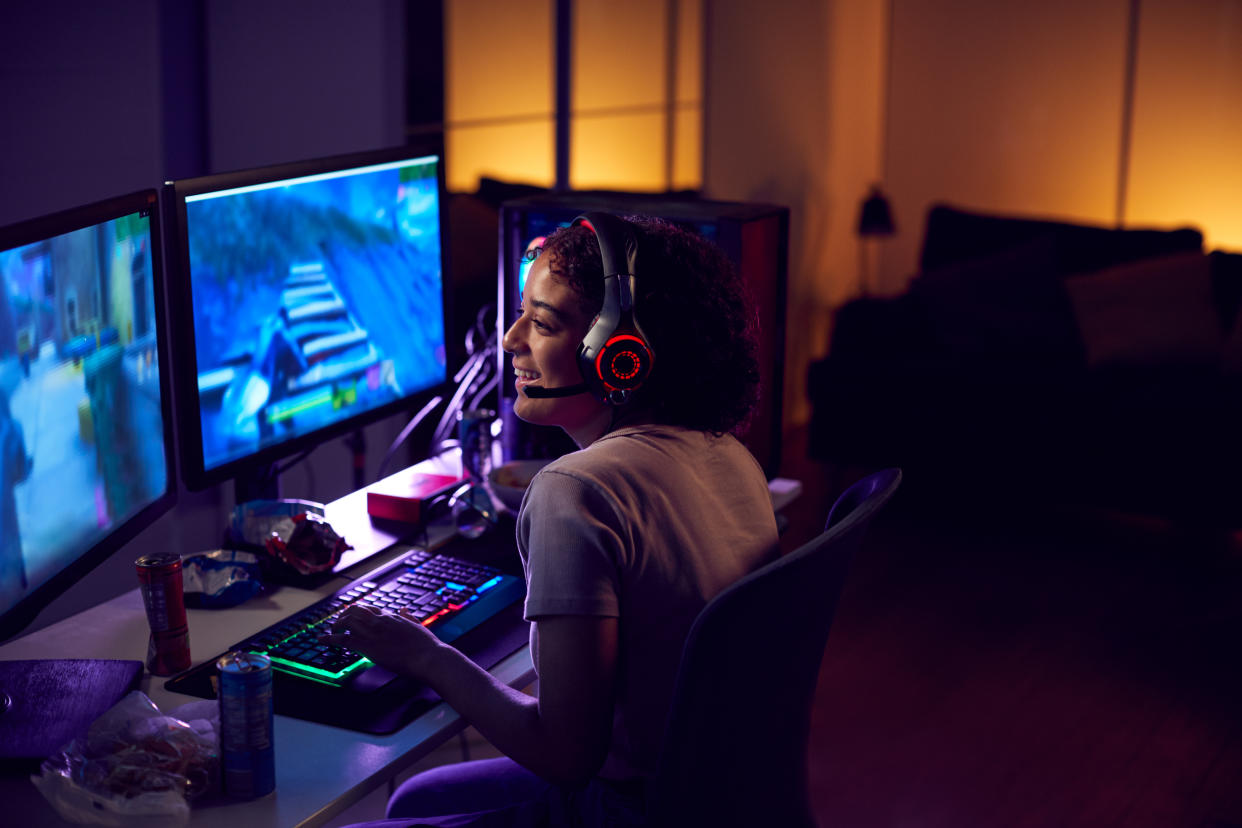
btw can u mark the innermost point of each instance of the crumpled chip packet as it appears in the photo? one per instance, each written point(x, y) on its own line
point(220, 578)
point(293, 533)
point(311, 546)
point(255, 521)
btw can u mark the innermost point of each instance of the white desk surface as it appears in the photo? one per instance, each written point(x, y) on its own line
point(320, 770)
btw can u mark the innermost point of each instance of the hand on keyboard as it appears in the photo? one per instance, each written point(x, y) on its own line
point(448, 595)
point(396, 641)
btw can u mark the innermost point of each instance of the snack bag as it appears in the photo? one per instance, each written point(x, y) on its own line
point(135, 766)
point(255, 521)
point(220, 578)
point(311, 546)
point(294, 538)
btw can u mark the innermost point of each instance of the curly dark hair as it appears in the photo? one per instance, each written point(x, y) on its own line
point(695, 311)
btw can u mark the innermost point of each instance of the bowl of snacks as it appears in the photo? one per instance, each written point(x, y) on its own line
point(508, 481)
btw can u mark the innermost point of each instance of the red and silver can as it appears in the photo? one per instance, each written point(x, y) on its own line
point(247, 754)
point(159, 577)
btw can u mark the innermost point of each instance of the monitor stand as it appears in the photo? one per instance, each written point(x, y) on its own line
point(261, 484)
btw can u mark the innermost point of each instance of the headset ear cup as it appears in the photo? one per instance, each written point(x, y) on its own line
point(624, 363)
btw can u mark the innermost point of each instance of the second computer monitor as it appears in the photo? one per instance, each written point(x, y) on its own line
point(85, 417)
point(309, 300)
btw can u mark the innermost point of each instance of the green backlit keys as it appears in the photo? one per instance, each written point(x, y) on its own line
point(429, 588)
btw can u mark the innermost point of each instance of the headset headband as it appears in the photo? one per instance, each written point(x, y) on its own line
point(615, 358)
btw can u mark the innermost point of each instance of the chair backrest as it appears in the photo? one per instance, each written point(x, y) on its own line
point(736, 742)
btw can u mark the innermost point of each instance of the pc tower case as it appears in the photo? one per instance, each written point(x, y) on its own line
point(754, 236)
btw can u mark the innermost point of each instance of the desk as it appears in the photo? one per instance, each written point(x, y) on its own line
point(320, 770)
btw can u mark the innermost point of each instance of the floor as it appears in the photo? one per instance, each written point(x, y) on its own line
point(1041, 667)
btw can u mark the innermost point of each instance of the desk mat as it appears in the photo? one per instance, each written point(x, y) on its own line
point(377, 710)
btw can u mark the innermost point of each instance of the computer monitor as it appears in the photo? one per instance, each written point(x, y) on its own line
point(86, 448)
point(308, 300)
point(754, 236)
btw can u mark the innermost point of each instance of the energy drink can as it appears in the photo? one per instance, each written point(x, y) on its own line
point(247, 758)
point(474, 435)
point(163, 595)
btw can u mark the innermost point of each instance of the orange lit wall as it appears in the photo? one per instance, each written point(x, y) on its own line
point(631, 128)
point(1002, 107)
point(792, 116)
point(619, 63)
point(1018, 108)
point(1186, 156)
point(498, 91)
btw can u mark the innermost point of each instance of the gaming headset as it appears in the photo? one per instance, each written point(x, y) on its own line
point(614, 357)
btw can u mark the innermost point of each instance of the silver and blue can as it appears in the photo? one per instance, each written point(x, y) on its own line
point(247, 756)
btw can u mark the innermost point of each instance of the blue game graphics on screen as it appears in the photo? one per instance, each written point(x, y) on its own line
point(315, 299)
point(82, 440)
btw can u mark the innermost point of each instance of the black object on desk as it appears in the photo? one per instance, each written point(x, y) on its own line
point(54, 701)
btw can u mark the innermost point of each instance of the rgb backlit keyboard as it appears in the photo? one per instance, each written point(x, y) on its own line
point(447, 595)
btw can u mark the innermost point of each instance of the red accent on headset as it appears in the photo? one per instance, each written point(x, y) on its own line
point(599, 358)
point(633, 357)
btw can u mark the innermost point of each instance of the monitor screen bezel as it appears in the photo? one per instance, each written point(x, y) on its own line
point(195, 474)
point(24, 612)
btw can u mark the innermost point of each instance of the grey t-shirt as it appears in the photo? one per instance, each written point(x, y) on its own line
point(646, 524)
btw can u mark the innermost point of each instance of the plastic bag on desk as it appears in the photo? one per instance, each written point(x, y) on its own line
point(135, 766)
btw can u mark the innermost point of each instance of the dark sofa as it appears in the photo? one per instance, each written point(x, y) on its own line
point(1048, 362)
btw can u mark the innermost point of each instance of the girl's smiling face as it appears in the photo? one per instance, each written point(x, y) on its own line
point(544, 343)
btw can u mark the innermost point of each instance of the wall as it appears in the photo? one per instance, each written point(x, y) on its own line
point(792, 116)
point(101, 99)
point(1019, 108)
point(290, 79)
point(1186, 155)
point(79, 88)
point(1001, 107)
point(635, 118)
point(499, 99)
